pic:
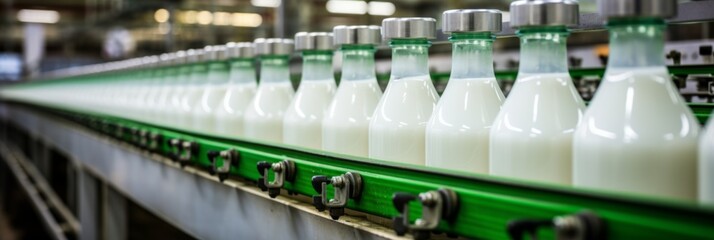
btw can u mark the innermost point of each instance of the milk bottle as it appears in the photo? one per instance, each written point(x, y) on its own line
point(638, 136)
point(194, 89)
point(241, 89)
point(214, 89)
point(302, 124)
point(263, 118)
point(458, 132)
point(396, 130)
point(180, 87)
point(532, 135)
point(345, 127)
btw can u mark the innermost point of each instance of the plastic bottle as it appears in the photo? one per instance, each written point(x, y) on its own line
point(241, 89)
point(531, 137)
point(178, 91)
point(396, 130)
point(638, 136)
point(345, 127)
point(458, 132)
point(263, 118)
point(302, 124)
point(214, 89)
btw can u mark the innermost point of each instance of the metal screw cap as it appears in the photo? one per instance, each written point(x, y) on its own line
point(408, 28)
point(313, 41)
point(637, 8)
point(471, 20)
point(273, 46)
point(194, 55)
point(364, 34)
point(215, 53)
point(180, 58)
point(240, 50)
point(527, 13)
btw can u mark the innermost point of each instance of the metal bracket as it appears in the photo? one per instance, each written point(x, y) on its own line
point(155, 140)
point(284, 171)
point(230, 158)
point(585, 225)
point(143, 138)
point(442, 204)
point(134, 135)
point(183, 151)
point(348, 185)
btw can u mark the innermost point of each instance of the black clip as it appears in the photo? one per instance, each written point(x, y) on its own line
point(585, 225)
point(230, 158)
point(348, 185)
point(284, 171)
point(442, 204)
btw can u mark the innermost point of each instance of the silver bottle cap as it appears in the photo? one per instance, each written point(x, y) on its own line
point(471, 20)
point(408, 28)
point(273, 46)
point(363, 34)
point(215, 53)
point(240, 50)
point(194, 55)
point(180, 58)
point(526, 13)
point(313, 41)
point(637, 8)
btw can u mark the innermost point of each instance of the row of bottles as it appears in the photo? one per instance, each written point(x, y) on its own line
point(637, 135)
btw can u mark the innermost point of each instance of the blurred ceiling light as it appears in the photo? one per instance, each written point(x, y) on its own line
point(381, 8)
point(246, 19)
point(266, 3)
point(222, 18)
point(161, 15)
point(189, 17)
point(346, 6)
point(204, 17)
point(38, 16)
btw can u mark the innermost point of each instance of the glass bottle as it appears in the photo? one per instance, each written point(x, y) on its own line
point(214, 88)
point(638, 136)
point(396, 130)
point(263, 119)
point(531, 137)
point(194, 88)
point(458, 132)
point(345, 128)
point(241, 89)
point(302, 124)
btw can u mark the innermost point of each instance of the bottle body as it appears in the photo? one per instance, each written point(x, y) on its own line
point(531, 137)
point(457, 135)
point(638, 135)
point(302, 124)
point(263, 118)
point(345, 127)
point(231, 109)
point(213, 92)
point(192, 95)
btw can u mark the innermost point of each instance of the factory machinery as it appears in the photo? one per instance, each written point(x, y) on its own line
point(216, 188)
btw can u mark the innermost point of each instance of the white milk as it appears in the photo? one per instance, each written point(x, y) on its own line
point(532, 135)
point(638, 136)
point(706, 165)
point(203, 113)
point(192, 94)
point(345, 128)
point(457, 134)
point(302, 124)
point(229, 114)
point(263, 119)
point(396, 131)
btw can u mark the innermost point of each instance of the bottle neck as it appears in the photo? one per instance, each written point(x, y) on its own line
point(358, 62)
point(198, 73)
point(636, 43)
point(218, 72)
point(543, 50)
point(242, 71)
point(410, 58)
point(317, 66)
point(274, 69)
point(472, 56)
